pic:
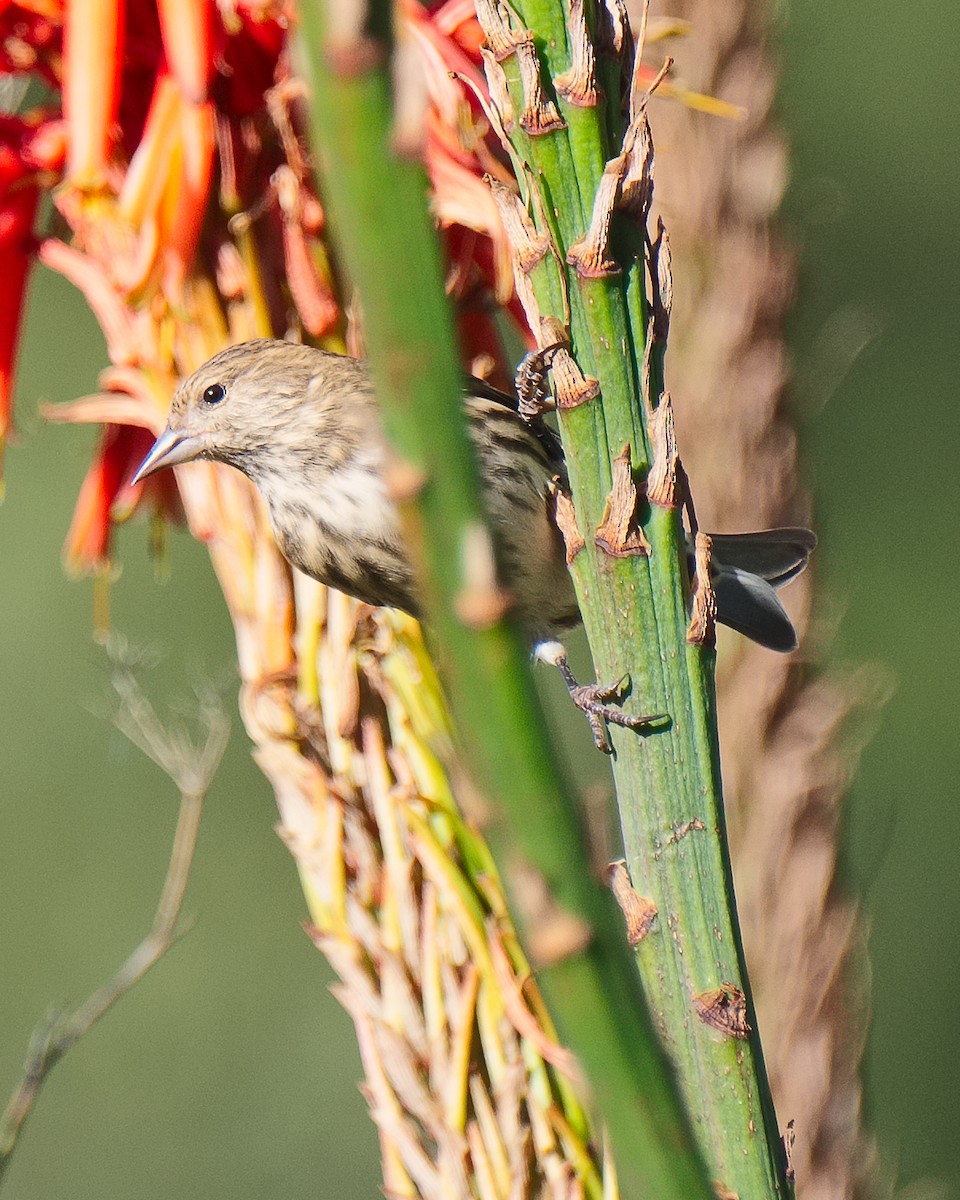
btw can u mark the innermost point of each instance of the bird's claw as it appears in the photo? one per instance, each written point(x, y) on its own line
point(532, 384)
point(593, 701)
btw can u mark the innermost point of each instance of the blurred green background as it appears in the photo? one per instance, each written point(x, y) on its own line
point(231, 1072)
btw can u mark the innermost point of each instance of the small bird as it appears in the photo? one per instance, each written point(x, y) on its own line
point(304, 426)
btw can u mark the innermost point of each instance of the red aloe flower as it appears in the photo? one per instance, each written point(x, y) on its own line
point(121, 448)
point(17, 211)
point(131, 409)
point(31, 151)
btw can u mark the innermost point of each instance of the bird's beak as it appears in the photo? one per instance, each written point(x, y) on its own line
point(168, 450)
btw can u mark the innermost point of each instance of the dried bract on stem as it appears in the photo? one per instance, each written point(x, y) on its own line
point(572, 387)
point(578, 85)
point(588, 255)
point(702, 630)
point(661, 282)
point(636, 186)
point(614, 39)
point(529, 245)
point(619, 533)
point(638, 911)
point(724, 1009)
point(539, 115)
point(565, 516)
point(663, 481)
point(502, 115)
point(501, 36)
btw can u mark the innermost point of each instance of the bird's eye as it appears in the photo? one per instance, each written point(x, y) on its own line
point(214, 393)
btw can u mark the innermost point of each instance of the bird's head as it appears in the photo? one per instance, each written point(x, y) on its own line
point(254, 404)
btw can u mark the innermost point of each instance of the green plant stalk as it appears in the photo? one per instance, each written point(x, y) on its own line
point(636, 613)
point(387, 243)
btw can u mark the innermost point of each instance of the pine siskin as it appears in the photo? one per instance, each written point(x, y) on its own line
point(304, 426)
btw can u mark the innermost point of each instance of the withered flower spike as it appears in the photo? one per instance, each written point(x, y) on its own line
point(578, 85)
point(280, 99)
point(702, 630)
point(724, 1009)
point(640, 92)
point(663, 480)
point(639, 912)
point(565, 516)
point(642, 31)
point(618, 533)
point(539, 114)
point(311, 292)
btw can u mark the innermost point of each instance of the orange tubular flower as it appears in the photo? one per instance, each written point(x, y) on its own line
point(187, 192)
point(186, 27)
point(93, 56)
point(146, 175)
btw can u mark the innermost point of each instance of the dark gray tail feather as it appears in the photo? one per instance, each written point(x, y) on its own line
point(776, 555)
point(747, 568)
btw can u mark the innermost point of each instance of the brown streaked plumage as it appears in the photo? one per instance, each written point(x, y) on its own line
point(304, 426)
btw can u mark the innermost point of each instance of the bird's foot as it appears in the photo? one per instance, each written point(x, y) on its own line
point(593, 699)
point(532, 383)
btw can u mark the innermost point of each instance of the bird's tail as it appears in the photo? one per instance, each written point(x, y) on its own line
point(747, 570)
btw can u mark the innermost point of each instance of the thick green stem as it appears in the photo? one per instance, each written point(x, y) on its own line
point(636, 612)
point(389, 247)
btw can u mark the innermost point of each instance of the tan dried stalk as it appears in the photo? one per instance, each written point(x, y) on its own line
point(785, 768)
